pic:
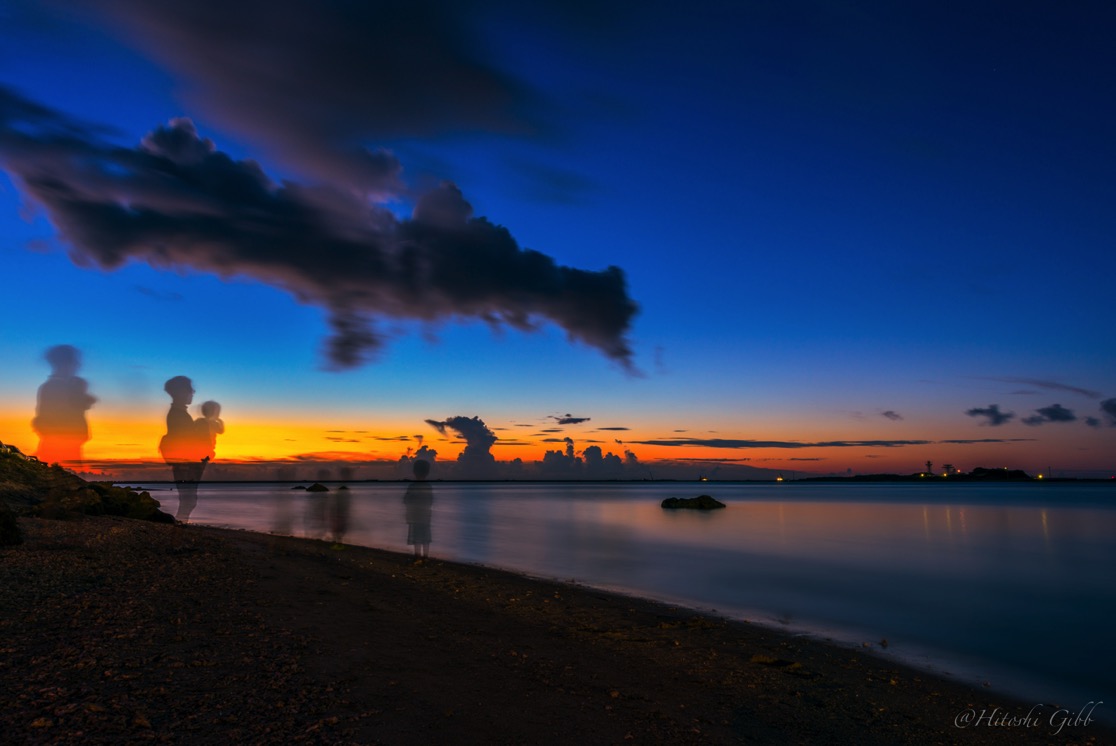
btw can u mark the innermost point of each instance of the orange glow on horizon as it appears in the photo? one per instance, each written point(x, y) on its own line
point(253, 437)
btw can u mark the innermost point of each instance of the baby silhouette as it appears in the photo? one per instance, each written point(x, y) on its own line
point(211, 426)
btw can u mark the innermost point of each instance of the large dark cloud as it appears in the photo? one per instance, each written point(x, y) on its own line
point(1053, 413)
point(176, 202)
point(992, 413)
point(314, 81)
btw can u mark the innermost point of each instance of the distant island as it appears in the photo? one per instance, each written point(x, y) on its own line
point(979, 474)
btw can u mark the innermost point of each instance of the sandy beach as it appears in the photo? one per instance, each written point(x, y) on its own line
point(116, 631)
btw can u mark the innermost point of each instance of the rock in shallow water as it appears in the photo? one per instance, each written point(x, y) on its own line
point(701, 502)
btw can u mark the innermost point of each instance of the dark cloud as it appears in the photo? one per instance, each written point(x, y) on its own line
point(313, 81)
point(974, 441)
point(569, 419)
point(793, 444)
point(1092, 422)
point(1049, 385)
point(601, 464)
point(476, 460)
point(889, 414)
point(593, 463)
point(992, 412)
point(176, 202)
point(1053, 413)
point(1108, 407)
point(556, 463)
point(730, 443)
point(406, 461)
point(622, 428)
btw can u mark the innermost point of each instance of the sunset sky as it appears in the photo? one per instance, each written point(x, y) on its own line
point(811, 237)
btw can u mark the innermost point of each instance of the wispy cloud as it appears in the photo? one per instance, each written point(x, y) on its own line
point(974, 441)
point(1046, 384)
point(732, 443)
point(160, 295)
point(1108, 407)
point(794, 444)
point(891, 415)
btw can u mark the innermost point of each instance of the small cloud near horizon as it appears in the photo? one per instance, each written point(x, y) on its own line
point(994, 417)
point(1053, 413)
point(568, 419)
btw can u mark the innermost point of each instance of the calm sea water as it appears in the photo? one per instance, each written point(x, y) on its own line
point(1007, 583)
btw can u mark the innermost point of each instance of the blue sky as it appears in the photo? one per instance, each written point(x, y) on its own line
point(824, 212)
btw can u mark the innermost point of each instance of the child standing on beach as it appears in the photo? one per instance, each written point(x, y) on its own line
point(418, 501)
point(211, 425)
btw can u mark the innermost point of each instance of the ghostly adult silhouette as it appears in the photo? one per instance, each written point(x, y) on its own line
point(60, 408)
point(185, 446)
point(418, 502)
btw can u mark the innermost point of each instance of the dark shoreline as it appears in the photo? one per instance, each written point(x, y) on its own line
point(117, 630)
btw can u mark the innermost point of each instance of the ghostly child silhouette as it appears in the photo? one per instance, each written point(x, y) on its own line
point(60, 409)
point(418, 502)
point(211, 426)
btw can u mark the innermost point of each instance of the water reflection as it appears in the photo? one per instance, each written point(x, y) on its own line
point(1016, 582)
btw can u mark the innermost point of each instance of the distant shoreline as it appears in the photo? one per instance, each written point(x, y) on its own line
point(858, 478)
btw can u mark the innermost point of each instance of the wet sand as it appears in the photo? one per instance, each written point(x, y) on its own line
point(116, 631)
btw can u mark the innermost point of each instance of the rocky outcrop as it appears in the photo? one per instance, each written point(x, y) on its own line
point(30, 487)
point(701, 502)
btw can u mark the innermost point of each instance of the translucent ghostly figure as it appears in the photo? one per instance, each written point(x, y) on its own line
point(418, 502)
point(60, 409)
point(211, 426)
point(185, 447)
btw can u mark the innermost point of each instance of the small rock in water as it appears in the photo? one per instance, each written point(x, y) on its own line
point(701, 502)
